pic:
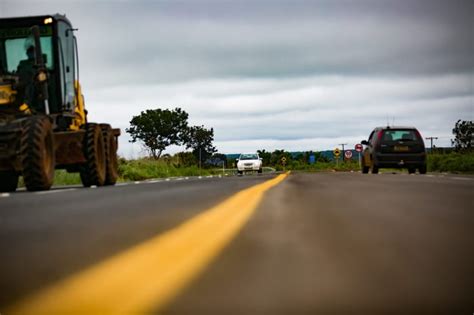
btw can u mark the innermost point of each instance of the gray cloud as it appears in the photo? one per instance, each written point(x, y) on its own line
point(276, 72)
point(173, 41)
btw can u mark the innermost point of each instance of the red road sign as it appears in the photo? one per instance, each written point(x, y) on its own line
point(358, 147)
point(348, 154)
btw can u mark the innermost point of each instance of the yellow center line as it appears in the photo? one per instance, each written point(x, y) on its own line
point(149, 275)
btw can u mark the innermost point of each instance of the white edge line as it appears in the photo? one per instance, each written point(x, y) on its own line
point(54, 191)
point(461, 178)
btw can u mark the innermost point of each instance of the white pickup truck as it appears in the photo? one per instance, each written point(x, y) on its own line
point(249, 163)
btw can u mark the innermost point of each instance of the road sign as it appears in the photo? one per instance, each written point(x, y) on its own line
point(337, 152)
point(348, 154)
point(358, 147)
point(283, 160)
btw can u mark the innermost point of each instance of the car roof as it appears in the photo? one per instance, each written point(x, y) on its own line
point(396, 127)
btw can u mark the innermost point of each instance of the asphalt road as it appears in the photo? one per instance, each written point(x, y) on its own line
point(325, 242)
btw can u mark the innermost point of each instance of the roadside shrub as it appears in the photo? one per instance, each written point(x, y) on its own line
point(147, 168)
point(453, 162)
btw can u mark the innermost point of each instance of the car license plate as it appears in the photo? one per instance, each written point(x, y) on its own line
point(401, 148)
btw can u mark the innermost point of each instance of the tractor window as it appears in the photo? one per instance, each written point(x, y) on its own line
point(66, 54)
point(14, 46)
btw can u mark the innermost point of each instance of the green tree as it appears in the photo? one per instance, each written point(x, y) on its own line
point(185, 159)
point(221, 157)
point(200, 139)
point(277, 155)
point(266, 157)
point(463, 133)
point(158, 128)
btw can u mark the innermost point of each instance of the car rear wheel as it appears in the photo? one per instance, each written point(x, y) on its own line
point(375, 168)
point(365, 169)
point(411, 170)
point(422, 169)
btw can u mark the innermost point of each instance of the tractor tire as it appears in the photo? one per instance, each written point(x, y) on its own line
point(37, 153)
point(8, 181)
point(93, 172)
point(111, 170)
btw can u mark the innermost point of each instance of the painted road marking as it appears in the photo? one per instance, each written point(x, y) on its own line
point(153, 181)
point(461, 178)
point(46, 192)
point(148, 276)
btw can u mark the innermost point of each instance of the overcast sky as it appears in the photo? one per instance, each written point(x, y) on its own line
point(293, 75)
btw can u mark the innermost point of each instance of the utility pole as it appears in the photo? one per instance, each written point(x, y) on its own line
point(431, 139)
point(343, 156)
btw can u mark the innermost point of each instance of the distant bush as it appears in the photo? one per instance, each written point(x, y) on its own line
point(61, 177)
point(453, 162)
point(297, 165)
point(149, 168)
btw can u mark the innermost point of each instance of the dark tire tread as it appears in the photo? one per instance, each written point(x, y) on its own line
point(110, 155)
point(36, 175)
point(93, 171)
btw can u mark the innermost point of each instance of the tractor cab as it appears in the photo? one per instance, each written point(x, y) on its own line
point(39, 70)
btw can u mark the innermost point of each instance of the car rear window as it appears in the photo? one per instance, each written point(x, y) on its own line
point(399, 135)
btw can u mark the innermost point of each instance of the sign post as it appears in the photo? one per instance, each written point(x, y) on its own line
point(283, 161)
point(336, 153)
point(358, 148)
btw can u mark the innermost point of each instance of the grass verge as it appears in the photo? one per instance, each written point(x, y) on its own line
point(451, 163)
point(143, 169)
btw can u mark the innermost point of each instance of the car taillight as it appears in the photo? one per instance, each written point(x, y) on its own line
point(418, 134)
point(379, 137)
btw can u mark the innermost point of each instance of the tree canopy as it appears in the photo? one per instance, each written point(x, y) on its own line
point(200, 139)
point(159, 128)
point(463, 132)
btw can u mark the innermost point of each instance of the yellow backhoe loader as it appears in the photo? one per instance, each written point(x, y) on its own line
point(43, 121)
